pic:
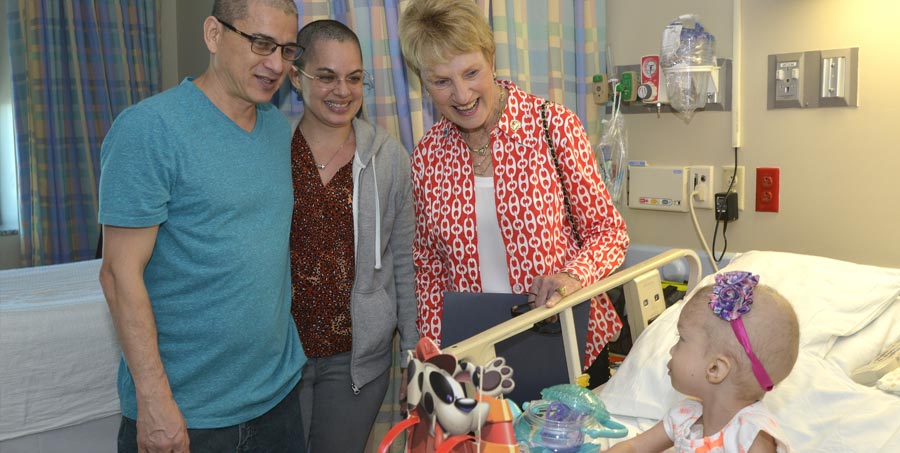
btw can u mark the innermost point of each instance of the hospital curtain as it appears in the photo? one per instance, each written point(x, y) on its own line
point(551, 48)
point(76, 65)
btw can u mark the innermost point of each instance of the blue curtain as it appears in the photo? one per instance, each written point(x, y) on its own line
point(76, 65)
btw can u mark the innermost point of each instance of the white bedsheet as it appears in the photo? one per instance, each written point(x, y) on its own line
point(58, 351)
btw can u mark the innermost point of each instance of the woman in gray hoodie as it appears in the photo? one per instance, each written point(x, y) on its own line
point(351, 243)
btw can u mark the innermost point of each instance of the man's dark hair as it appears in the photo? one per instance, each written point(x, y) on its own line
point(232, 10)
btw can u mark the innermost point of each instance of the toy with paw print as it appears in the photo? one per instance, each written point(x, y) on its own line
point(444, 419)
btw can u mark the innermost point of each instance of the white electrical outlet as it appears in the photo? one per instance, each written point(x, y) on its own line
point(737, 187)
point(700, 179)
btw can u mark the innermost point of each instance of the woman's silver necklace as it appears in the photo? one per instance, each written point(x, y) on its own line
point(336, 152)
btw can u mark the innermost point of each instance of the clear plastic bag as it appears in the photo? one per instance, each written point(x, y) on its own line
point(612, 154)
point(686, 42)
point(687, 58)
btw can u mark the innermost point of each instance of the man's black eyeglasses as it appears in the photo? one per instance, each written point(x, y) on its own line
point(266, 46)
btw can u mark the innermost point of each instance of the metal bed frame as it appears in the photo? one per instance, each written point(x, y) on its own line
point(480, 348)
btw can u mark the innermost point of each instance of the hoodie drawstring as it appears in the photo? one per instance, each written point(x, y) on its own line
point(377, 216)
point(359, 166)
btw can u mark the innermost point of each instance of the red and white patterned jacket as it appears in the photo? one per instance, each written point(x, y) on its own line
point(530, 210)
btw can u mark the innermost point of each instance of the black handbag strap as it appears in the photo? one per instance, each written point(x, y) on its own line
point(559, 172)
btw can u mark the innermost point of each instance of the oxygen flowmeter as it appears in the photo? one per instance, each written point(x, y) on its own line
point(650, 91)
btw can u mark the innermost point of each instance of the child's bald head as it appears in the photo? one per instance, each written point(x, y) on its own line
point(771, 326)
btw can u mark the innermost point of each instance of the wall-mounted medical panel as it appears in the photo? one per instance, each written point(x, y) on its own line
point(793, 80)
point(658, 188)
point(718, 96)
point(839, 77)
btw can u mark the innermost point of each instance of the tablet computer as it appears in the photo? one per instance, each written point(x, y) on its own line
point(537, 359)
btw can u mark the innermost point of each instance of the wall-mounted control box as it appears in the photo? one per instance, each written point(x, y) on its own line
point(628, 85)
point(658, 188)
point(718, 89)
point(793, 80)
point(644, 302)
point(601, 89)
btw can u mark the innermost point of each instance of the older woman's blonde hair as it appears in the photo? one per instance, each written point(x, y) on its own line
point(434, 31)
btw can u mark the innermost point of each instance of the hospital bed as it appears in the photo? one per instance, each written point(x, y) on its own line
point(848, 313)
point(58, 361)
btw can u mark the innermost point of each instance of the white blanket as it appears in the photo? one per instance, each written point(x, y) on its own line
point(58, 351)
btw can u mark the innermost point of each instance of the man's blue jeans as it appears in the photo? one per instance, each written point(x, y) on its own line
point(276, 431)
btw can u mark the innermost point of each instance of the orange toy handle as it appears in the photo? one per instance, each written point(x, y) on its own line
point(403, 425)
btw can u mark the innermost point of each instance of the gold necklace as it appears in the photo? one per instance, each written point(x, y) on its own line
point(336, 152)
point(482, 166)
point(479, 166)
point(484, 149)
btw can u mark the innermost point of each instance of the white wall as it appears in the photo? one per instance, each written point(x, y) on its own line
point(839, 182)
point(9, 252)
point(186, 53)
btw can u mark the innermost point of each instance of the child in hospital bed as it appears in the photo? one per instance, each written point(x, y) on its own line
point(736, 339)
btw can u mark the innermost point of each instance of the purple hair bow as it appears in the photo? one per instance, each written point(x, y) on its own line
point(731, 297)
point(733, 294)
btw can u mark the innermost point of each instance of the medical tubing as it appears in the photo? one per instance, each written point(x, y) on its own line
point(611, 150)
point(709, 254)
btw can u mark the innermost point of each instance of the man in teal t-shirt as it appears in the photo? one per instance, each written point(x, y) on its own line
point(195, 202)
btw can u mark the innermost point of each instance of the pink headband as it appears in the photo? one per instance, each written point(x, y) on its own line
point(731, 297)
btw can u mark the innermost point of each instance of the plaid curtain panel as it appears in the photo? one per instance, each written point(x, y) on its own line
point(76, 65)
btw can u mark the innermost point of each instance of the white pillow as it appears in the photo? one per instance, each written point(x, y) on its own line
point(854, 351)
point(832, 299)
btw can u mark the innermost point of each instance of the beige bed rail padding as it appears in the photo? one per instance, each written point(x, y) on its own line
point(480, 348)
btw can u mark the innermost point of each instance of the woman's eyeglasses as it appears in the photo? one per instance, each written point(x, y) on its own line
point(330, 81)
point(266, 46)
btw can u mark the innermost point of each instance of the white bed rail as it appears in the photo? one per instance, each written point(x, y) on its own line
point(480, 348)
